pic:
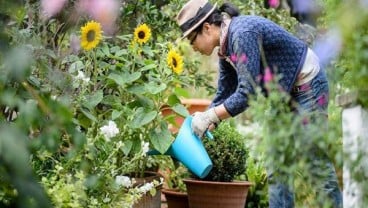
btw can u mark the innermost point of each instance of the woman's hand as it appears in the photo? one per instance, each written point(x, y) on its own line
point(202, 121)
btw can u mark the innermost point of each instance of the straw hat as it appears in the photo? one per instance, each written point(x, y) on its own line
point(193, 13)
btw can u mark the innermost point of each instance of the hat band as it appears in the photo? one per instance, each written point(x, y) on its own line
point(202, 12)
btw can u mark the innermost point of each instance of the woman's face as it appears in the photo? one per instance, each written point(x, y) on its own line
point(206, 40)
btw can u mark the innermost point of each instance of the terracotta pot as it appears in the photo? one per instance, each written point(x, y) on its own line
point(192, 105)
point(147, 200)
point(211, 194)
point(175, 198)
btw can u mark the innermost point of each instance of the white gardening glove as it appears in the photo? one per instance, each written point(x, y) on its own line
point(201, 121)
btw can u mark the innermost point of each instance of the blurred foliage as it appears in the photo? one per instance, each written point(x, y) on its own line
point(279, 16)
point(51, 151)
point(351, 68)
point(256, 173)
point(348, 71)
point(288, 145)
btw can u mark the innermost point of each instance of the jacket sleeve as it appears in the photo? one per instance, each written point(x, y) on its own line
point(246, 57)
point(226, 84)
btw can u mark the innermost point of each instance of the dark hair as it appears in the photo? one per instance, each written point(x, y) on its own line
point(216, 16)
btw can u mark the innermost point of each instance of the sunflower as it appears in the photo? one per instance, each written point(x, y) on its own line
point(175, 61)
point(142, 33)
point(91, 35)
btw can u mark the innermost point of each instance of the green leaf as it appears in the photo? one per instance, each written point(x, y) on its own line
point(124, 78)
point(89, 115)
point(34, 81)
point(114, 49)
point(161, 138)
point(132, 77)
point(76, 66)
point(181, 110)
point(154, 88)
point(127, 147)
point(173, 99)
point(78, 138)
point(93, 100)
point(181, 92)
point(147, 50)
point(137, 89)
point(145, 102)
point(117, 79)
point(70, 59)
point(115, 114)
point(142, 118)
point(148, 67)
point(105, 50)
point(121, 53)
point(111, 100)
point(153, 192)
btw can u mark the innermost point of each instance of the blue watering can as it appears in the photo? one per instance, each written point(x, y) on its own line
point(189, 150)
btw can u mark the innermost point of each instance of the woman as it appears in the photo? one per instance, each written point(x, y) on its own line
point(243, 42)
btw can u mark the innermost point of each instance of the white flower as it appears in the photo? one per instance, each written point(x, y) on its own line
point(145, 148)
point(119, 144)
point(123, 181)
point(82, 77)
point(109, 130)
point(146, 187)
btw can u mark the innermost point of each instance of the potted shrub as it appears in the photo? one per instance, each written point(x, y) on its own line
point(219, 189)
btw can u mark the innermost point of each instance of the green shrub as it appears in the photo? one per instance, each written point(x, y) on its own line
point(227, 152)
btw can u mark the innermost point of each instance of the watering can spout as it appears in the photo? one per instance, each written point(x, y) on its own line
point(169, 151)
point(155, 152)
point(189, 150)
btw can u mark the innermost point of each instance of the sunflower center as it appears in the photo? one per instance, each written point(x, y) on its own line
point(91, 35)
point(174, 62)
point(141, 34)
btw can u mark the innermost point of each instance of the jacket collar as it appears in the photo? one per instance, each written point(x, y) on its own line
point(223, 34)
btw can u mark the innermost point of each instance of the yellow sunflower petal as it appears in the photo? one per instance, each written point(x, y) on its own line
point(142, 33)
point(175, 61)
point(91, 35)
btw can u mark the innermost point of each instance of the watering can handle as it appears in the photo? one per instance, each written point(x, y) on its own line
point(209, 135)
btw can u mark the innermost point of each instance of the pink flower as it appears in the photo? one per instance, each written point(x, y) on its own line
point(233, 58)
point(243, 58)
point(305, 121)
point(274, 3)
point(103, 11)
point(305, 87)
point(52, 7)
point(322, 100)
point(268, 75)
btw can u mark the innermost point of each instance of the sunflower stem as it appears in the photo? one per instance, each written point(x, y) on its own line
point(95, 72)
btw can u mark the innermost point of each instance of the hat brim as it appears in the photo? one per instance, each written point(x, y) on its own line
point(186, 33)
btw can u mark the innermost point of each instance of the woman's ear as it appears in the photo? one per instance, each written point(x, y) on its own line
point(206, 28)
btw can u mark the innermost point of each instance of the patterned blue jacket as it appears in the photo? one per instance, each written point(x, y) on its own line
point(246, 37)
